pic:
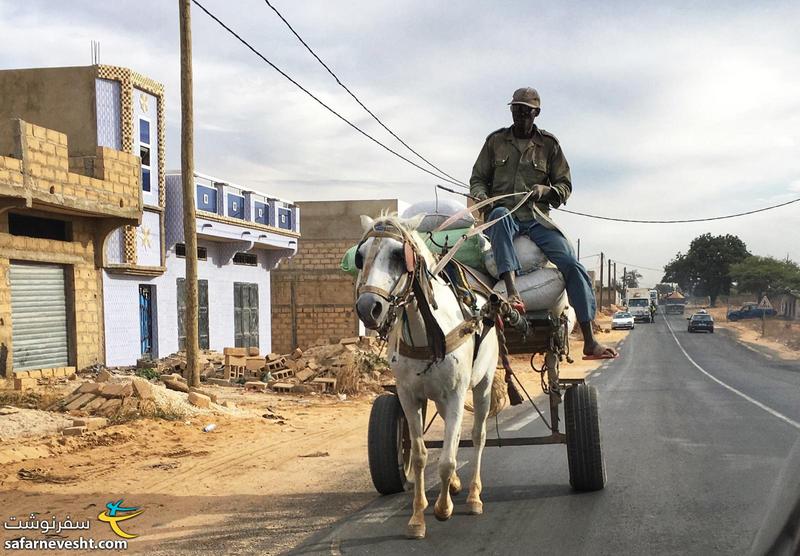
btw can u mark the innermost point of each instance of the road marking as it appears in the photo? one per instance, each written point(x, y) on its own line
point(522, 422)
point(757, 403)
point(598, 373)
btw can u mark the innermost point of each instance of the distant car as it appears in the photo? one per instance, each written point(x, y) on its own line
point(622, 319)
point(751, 311)
point(701, 321)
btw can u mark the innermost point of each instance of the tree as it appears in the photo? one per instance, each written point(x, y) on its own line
point(705, 268)
point(631, 279)
point(664, 289)
point(765, 275)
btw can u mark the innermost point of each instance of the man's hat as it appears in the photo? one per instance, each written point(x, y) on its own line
point(527, 96)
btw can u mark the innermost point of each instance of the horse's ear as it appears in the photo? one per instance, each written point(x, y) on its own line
point(366, 222)
point(414, 222)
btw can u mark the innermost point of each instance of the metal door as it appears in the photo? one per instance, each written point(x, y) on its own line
point(39, 316)
point(202, 320)
point(245, 314)
point(146, 318)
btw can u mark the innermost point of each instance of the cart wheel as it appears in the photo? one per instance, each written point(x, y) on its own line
point(388, 445)
point(586, 467)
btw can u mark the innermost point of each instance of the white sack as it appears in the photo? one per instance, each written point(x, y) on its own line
point(436, 213)
point(543, 289)
point(530, 257)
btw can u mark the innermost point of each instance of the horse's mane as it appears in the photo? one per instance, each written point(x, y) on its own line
point(393, 219)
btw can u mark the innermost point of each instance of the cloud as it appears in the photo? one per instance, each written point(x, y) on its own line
point(663, 112)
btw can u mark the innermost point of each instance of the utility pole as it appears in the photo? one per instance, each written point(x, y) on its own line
point(601, 280)
point(192, 372)
point(610, 295)
point(579, 250)
point(624, 284)
point(615, 281)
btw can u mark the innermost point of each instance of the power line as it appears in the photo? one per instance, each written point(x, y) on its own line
point(638, 266)
point(361, 104)
point(309, 93)
point(680, 221)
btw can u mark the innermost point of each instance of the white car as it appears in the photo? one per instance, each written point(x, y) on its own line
point(622, 319)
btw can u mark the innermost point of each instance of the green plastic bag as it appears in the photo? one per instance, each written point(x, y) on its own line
point(470, 253)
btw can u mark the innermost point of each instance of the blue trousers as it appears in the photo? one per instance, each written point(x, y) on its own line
point(555, 246)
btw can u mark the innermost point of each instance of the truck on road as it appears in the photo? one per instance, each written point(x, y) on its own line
point(638, 302)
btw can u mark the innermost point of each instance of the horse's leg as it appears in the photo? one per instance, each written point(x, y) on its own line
point(481, 396)
point(412, 408)
point(452, 413)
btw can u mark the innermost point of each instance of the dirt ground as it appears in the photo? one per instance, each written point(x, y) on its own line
point(254, 484)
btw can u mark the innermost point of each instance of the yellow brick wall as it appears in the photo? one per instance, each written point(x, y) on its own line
point(43, 168)
point(93, 194)
point(324, 296)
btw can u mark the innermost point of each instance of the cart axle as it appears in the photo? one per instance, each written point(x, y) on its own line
point(557, 438)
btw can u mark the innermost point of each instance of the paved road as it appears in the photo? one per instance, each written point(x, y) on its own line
point(693, 444)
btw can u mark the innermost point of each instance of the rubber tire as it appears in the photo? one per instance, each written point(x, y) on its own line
point(587, 470)
point(385, 421)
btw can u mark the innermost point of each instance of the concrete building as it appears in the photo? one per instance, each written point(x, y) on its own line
point(312, 298)
point(56, 212)
point(241, 235)
point(119, 254)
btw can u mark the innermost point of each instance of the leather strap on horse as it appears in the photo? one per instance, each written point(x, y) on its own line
point(455, 339)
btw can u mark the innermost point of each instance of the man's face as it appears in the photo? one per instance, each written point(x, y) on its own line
point(523, 117)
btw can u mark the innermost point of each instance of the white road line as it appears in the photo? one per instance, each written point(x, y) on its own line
point(757, 403)
point(522, 422)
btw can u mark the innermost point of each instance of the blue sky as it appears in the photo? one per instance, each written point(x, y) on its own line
point(679, 110)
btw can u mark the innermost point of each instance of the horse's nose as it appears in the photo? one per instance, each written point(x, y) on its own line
point(371, 309)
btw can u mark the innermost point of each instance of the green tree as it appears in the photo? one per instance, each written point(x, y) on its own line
point(664, 289)
point(765, 275)
point(631, 278)
point(705, 268)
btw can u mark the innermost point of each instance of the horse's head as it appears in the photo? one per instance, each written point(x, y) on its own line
point(387, 257)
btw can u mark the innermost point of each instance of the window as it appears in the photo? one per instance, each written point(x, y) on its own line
point(236, 206)
point(247, 259)
point(180, 251)
point(261, 213)
point(144, 152)
point(34, 226)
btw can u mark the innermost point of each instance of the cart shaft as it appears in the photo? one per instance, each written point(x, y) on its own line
point(557, 438)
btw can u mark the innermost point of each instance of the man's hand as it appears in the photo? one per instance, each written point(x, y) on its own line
point(540, 191)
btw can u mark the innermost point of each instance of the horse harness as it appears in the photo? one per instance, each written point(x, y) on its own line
point(418, 286)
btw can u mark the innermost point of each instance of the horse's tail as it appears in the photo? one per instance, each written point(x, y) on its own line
point(498, 396)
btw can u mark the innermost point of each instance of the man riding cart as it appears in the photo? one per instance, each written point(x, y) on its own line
point(519, 159)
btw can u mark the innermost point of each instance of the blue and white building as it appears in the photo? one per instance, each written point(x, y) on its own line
point(241, 235)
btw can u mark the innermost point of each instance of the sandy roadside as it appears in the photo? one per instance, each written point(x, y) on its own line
point(254, 484)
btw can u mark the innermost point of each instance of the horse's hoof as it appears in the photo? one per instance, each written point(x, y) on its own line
point(455, 486)
point(475, 508)
point(415, 531)
point(443, 515)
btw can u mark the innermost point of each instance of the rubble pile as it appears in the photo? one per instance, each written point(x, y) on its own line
point(349, 366)
point(115, 396)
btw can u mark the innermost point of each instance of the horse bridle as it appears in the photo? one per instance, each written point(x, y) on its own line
point(398, 296)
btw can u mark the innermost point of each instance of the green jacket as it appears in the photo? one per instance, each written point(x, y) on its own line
point(502, 168)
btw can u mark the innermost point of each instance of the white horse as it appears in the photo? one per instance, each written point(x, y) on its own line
point(394, 262)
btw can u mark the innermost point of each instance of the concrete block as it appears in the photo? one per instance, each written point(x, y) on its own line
point(91, 423)
point(255, 363)
point(211, 395)
point(103, 376)
point(74, 431)
point(176, 385)
point(95, 404)
point(234, 351)
point(142, 389)
point(256, 385)
point(80, 401)
point(117, 390)
point(91, 387)
point(25, 384)
point(199, 400)
point(110, 407)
